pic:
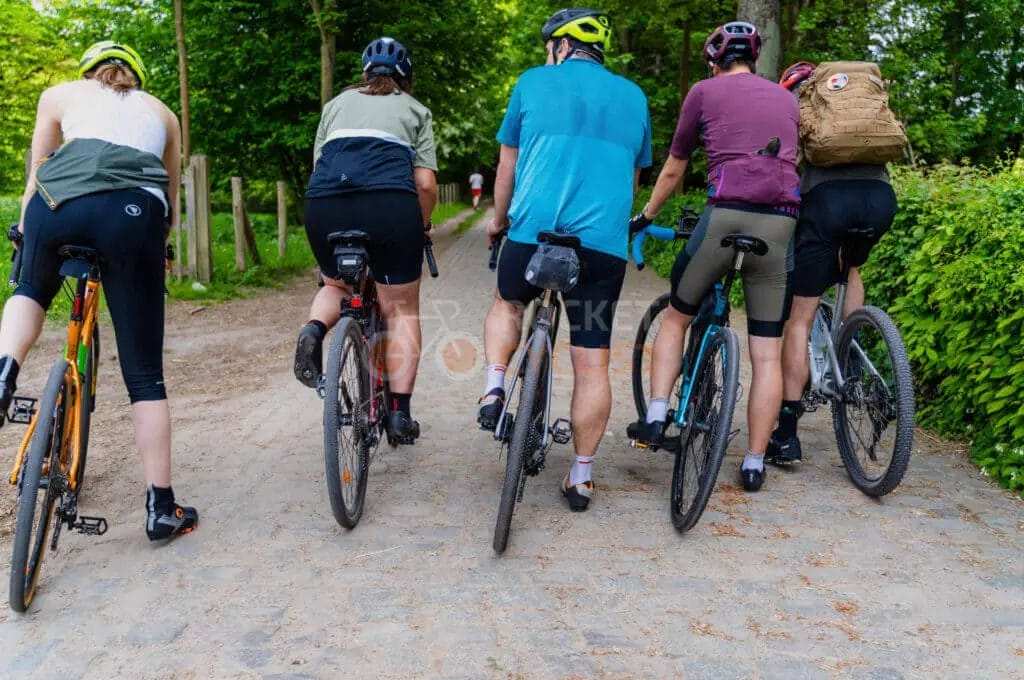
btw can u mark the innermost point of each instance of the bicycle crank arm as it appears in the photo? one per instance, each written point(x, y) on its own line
point(90, 526)
point(22, 410)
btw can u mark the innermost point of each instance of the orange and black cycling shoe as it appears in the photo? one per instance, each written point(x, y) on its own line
point(179, 520)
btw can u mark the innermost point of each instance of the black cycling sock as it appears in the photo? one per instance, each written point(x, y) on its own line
point(319, 325)
point(788, 417)
point(8, 371)
point(160, 499)
point(401, 402)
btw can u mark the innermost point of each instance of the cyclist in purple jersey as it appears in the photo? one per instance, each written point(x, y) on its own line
point(749, 128)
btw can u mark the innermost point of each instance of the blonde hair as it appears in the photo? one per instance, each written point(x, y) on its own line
point(118, 77)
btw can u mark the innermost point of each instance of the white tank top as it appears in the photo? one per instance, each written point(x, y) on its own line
point(98, 112)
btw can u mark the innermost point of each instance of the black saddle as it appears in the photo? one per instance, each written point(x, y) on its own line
point(351, 238)
point(857, 233)
point(556, 239)
point(745, 243)
point(79, 262)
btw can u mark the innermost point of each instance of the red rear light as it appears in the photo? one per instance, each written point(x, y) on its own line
point(357, 302)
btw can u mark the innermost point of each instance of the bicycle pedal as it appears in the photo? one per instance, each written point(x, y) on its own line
point(639, 444)
point(561, 431)
point(22, 410)
point(90, 526)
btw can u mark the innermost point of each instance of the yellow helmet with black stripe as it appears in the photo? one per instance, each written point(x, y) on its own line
point(106, 50)
point(585, 25)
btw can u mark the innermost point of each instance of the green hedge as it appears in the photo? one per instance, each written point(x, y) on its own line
point(951, 273)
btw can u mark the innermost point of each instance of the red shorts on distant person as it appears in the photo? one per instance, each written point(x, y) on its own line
point(476, 193)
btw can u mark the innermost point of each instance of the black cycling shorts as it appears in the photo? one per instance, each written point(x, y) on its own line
point(128, 229)
point(393, 221)
point(589, 305)
point(827, 212)
point(765, 278)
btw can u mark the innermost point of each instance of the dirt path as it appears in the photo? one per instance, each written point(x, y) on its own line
point(808, 579)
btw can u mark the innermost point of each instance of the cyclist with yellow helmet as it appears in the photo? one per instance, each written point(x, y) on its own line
point(572, 142)
point(106, 159)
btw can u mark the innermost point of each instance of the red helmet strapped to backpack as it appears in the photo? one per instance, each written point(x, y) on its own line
point(737, 39)
point(796, 74)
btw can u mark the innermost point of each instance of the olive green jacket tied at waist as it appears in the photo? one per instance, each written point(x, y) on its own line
point(88, 166)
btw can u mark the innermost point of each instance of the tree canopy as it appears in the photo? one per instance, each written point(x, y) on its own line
point(956, 66)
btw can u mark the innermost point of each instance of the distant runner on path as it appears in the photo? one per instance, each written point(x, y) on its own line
point(476, 183)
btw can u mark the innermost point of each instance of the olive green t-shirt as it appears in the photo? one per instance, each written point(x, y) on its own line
point(398, 116)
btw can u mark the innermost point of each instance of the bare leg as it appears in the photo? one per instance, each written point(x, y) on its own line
point(668, 348)
point(591, 398)
point(765, 390)
point(20, 327)
point(326, 307)
point(794, 349)
point(400, 306)
point(152, 421)
point(502, 329)
point(854, 293)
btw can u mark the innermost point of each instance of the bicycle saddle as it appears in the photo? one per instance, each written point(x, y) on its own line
point(80, 253)
point(860, 232)
point(745, 243)
point(79, 262)
point(556, 239)
point(348, 238)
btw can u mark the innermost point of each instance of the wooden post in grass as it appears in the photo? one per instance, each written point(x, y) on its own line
point(250, 235)
point(238, 215)
point(282, 218)
point(178, 255)
point(201, 186)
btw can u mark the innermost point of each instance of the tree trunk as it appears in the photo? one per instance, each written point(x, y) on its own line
point(328, 47)
point(684, 61)
point(179, 30)
point(765, 15)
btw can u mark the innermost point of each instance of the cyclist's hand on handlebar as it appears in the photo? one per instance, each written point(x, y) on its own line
point(495, 227)
point(639, 222)
point(428, 229)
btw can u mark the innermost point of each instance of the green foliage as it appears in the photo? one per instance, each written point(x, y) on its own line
point(950, 272)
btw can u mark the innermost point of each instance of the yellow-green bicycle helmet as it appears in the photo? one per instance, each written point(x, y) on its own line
point(586, 25)
point(109, 50)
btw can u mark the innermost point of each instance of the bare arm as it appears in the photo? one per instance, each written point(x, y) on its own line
point(426, 191)
point(504, 185)
point(46, 138)
point(172, 161)
point(669, 179)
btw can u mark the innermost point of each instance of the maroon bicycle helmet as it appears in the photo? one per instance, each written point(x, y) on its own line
point(796, 74)
point(734, 40)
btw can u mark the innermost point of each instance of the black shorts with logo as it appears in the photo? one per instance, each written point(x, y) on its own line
point(589, 305)
point(827, 213)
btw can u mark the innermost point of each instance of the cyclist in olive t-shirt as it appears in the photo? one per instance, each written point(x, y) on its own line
point(375, 172)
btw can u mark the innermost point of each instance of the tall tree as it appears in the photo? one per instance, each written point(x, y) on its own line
point(765, 15)
point(323, 14)
point(179, 32)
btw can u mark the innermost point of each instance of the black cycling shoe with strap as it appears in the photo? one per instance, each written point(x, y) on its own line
point(578, 495)
point(782, 450)
point(402, 429)
point(8, 375)
point(650, 435)
point(166, 519)
point(309, 355)
point(490, 409)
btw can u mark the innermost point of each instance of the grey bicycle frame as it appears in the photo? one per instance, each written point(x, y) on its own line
point(828, 379)
point(542, 324)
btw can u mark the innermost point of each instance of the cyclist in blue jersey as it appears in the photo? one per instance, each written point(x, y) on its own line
point(572, 142)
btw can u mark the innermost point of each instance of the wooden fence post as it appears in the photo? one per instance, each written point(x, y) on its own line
point(188, 179)
point(237, 214)
point(282, 219)
point(250, 235)
point(204, 254)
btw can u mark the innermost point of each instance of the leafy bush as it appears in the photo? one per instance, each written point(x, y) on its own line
point(951, 273)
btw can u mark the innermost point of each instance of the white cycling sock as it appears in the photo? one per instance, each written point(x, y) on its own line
point(753, 461)
point(580, 472)
point(495, 377)
point(658, 410)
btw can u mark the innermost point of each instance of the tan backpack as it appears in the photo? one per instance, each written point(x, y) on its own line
point(845, 116)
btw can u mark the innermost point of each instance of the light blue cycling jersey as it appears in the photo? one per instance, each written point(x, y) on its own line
point(581, 131)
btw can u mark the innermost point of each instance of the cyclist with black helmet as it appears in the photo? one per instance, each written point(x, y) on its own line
point(572, 142)
point(749, 129)
point(375, 165)
point(106, 160)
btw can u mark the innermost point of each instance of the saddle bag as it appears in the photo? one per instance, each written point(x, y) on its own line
point(553, 268)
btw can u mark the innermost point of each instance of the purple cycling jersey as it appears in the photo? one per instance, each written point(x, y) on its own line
point(738, 115)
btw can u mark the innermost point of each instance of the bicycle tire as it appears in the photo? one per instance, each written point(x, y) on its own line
point(903, 390)
point(712, 450)
point(28, 546)
point(87, 404)
point(516, 458)
point(641, 364)
point(347, 345)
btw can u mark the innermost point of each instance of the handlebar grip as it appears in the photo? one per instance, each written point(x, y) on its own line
point(492, 263)
point(638, 248)
point(661, 233)
point(14, 235)
point(428, 250)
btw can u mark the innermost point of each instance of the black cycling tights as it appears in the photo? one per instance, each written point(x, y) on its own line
point(127, 228)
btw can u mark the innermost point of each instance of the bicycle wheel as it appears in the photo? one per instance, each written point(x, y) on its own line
point(522, 428)
point(646, 334)
point(874, 418)
point(87, 404)
point(712, 402)
point(33, 511)
point(347, 423)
